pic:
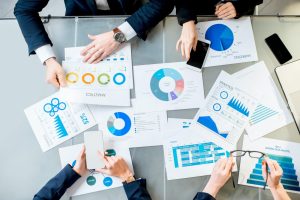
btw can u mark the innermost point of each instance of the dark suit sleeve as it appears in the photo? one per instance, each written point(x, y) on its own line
point(149, 15)
point(186, 11)
point(245, 7)
point(203, 196)
point(137, 190)
point(27, 14)
point(56, 187)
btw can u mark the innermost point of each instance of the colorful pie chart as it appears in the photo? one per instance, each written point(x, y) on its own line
point(172, 75)
point(121, 131)
point(220, 36)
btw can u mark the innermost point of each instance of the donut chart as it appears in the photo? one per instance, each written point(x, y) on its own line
point(119, 132)
point(220, 36)
point(106, 78)
point(158, 92)
point(119, 78)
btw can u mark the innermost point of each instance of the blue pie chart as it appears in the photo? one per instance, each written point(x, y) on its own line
point(119, 132)
point(220, 36)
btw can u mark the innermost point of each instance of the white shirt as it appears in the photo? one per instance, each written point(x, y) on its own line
point(45, 52)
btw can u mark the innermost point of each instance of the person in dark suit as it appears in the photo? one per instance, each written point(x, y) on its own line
point(136, 189)
point(142, 19)
point(114, 166)
point(187, 11)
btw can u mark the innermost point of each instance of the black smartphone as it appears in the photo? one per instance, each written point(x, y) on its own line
point(279, 50)
point(197, 58)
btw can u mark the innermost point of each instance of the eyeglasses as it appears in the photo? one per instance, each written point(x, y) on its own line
point(252, 154)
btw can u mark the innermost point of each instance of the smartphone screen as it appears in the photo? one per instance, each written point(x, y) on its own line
point(279, 50)
point(197, 58)
point(93, 141)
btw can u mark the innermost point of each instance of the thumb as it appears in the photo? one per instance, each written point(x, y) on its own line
point(92, 37)
point(264, 169)
point(61, 78)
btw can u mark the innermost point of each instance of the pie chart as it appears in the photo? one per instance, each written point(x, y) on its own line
point(220, 36)
point(119, 131)
point(167, 84)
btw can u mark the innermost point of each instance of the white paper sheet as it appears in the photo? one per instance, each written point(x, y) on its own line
point(167, 86)
point(140, 129)
point(93, 182)
point(226, 112)
point(285, 153)
point(55, 120)
point(232, 41)
point(101, 84)
point(272, 112)
point(187, 154)
point(122, 56)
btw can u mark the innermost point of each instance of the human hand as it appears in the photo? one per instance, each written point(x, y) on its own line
point(274, 174)
point(102, 45)
point(188, 39)
point(226, 11)
point(80, 165)
point(115, 166)
point(220, 175)
point(55, 74)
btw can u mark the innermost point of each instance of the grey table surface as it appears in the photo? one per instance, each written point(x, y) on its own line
point(24, 169)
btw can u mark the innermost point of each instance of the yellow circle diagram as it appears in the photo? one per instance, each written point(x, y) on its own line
point(72, 77)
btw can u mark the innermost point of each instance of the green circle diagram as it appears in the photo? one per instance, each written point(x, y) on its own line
point(91, 180)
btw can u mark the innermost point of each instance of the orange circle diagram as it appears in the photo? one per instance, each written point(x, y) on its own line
point(72, 77)
point(88, 75)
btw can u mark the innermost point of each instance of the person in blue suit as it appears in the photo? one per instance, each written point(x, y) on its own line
point(55, 188)
point(187, 11)
point(135, 189)
point(142, 19)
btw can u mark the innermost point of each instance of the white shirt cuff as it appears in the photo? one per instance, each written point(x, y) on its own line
point(128, 31)
point(45, 52)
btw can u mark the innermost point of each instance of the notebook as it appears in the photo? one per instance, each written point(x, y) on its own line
point(289, 78)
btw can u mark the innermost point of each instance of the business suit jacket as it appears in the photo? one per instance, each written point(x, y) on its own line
point(187, 10)
point(141, 20)
point(57, 186)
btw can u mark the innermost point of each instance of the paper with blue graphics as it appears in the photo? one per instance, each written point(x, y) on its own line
point(167, 86)
point(232, 41)
point(104, 83)
point(122, 57)
point(187, 154)
point(93, 181)
point(272, 112)
point(139, 128)
point(226, 112)
point(284, 152)
point(55, 120)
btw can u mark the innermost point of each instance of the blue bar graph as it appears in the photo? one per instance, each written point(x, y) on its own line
point(238, 106)
point(197, 154)
point(289, 178)
point(59, 127)
point(261, 113)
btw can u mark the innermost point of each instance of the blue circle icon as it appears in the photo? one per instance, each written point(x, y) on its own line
point(224, 95)
point(107, 181)
point(118, 82)
point(113, 129)
point(220, 36)
point(217, 107)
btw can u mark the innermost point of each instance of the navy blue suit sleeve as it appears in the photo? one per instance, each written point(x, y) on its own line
point(56, 187)
point(186, 11)
point(203, 196)
point(137, 190)
point(149, 15)
point(27, 14)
